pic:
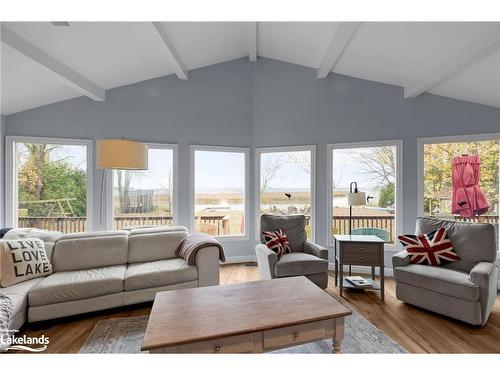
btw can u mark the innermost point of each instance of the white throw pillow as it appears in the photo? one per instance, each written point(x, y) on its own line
point(22, 259)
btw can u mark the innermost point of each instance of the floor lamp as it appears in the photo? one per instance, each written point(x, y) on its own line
point(120, 154)
point(354, 198)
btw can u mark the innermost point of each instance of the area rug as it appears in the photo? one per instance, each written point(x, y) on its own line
point(125, 335)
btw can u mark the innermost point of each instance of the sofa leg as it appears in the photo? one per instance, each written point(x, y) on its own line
point(40, 326)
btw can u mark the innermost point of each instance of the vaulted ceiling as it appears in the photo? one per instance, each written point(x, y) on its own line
point(42, 63)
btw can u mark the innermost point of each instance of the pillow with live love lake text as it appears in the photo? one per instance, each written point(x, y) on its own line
point(21, 260)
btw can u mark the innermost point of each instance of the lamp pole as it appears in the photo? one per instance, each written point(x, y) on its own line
point(350, 206)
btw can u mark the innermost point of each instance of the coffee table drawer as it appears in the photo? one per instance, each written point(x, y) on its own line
point(232, 344)
point(279, 337)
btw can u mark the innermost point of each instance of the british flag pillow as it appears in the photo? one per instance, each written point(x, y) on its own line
point(433, 249)
point(277, 241)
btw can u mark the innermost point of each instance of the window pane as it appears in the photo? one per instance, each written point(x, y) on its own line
point(219, 183)
point(145, 197)
point(438, 177)
point(285, 184)
point(52, 186)
point(374, 171)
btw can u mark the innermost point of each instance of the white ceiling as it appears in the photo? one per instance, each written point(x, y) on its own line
point(112, 54)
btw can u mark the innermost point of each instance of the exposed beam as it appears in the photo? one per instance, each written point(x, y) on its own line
point(170, 53)
point(487, 43)
point(252, 41)
point(340, 40)
point(61, 71)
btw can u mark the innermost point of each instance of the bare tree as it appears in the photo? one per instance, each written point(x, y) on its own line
point(269, 170)
point(301, 160)
point(379, 164)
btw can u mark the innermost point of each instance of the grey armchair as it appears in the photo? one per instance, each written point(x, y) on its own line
point(465, 290)
point(306, 259)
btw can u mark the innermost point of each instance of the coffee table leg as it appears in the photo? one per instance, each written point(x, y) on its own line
point(338, 336)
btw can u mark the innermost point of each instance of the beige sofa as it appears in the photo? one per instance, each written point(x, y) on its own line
point(100, 270)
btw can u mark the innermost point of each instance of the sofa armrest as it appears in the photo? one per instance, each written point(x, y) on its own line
point(266, 260)
point(207, 263)
point(400, 259)
point(485, 275)
point(316, 250)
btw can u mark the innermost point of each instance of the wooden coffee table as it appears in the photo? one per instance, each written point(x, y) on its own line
point(252, 317)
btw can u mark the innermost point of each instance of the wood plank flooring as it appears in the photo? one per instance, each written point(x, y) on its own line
point(417, 330)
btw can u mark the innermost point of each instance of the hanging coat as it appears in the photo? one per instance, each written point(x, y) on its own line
point(468, 200)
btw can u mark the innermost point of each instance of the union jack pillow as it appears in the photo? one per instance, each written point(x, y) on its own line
point(433, 249)
point(277, 241)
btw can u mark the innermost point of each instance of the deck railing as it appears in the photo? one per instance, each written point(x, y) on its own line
point(218, 224)
point(341, 224)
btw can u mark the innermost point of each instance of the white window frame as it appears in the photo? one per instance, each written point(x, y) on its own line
point(240, 150)
point(175, 184)
point(11, 172)
point(421, 142)
point(264, 150)
point(398, 143)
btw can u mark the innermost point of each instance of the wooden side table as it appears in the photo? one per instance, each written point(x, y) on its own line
point(359, 250)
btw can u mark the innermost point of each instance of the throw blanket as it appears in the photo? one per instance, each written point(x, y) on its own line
point(6, 310)
point(4, 231)
point(194, 243)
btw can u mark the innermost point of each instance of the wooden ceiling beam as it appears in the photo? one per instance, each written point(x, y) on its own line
point(482, 46)
point(170, 52)
point(340, 41)
point(60, 70)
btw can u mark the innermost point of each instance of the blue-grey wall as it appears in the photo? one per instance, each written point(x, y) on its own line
point(292, 107)
point(267, 103)
point(213, 107)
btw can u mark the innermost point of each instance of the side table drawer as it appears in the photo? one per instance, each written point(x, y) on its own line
point(360, 258)
point(279, 337)
point(367, 248)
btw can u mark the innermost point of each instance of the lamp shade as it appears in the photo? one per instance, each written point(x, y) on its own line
point(121, 154)
point(356, 199)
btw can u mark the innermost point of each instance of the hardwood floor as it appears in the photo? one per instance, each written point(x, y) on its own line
point(417, 330)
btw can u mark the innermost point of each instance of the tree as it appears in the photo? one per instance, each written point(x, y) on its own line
point(438, 169)
point(43, 175)
point(269, 169)
point(386, 197)
point(379, 163)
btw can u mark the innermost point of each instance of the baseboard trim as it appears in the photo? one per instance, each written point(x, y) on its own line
point(363, 269)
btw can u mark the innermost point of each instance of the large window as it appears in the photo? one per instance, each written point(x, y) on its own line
point(436, 173)
point(220, 184)
point(374, 167)
point(50, 186)
point(286, 183)
point(146, 197)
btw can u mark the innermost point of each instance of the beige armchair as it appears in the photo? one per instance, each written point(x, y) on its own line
point(306, 259)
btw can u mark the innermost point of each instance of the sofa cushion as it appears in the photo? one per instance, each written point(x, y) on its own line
point(442, 280)
point(80, 251)
point(158, 273)
point(293, 225)
point(473, 242)
point(75, 285)
point(18, 293)
point(151, 244)
point(296, 264)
